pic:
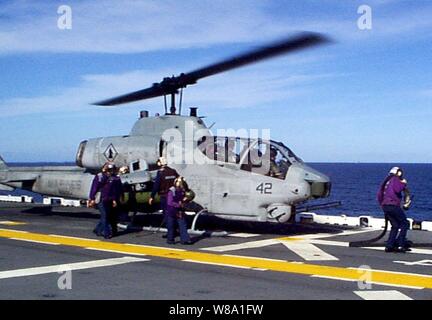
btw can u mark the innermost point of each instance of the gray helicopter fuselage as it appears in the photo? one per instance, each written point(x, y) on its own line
point(230, 189)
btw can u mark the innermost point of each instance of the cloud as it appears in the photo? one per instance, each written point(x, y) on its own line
point(110, 26)
point(245, 88)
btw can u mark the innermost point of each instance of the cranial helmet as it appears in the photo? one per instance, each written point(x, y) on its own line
point(124, 170)
point(178, 180)
point(190, 195)
point(109, 166)
point(162, 162)
point(396, 171)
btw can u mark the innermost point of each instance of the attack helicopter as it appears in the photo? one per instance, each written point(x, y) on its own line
point(237, 178)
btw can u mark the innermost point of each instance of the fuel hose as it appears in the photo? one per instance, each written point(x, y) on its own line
point(364, 243)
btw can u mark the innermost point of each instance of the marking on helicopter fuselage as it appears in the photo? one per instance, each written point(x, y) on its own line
point(381, 277)
point(110, 153)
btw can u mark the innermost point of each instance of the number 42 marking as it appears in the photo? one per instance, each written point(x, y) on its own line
point(265, 188)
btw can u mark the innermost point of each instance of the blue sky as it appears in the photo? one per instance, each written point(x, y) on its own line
point(365, 98)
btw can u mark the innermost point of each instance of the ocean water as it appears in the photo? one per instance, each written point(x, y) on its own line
point(355, 185)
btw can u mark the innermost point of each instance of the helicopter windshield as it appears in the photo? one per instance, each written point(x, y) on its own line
point(222, 149)
point(286, 151)
point(267, 158)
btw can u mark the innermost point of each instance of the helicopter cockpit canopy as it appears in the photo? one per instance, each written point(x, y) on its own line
point(269, 158)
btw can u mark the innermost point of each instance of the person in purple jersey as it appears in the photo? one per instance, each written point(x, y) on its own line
point(105, 194)
point(390, 198)
point(176, 199)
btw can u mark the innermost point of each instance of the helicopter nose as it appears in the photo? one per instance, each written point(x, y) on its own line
point(319, 182)
point(320, 189)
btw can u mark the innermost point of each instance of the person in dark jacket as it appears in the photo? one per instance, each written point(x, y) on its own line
point(107, 187)
point(390, 197)
point(176, 199)
point(127, 200)
point(163, 182)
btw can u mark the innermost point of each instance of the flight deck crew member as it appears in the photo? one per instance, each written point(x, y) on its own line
point(126, 203)
point(390, 197)
point(109, 187)
point(164, 180)
point(274, 168)
point(176, 199)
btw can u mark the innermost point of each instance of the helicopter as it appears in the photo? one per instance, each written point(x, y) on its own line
point(235, 178)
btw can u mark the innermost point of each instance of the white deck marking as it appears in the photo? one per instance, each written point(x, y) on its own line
point(413, 250)
point(308, 251)
point(397, 286)
point(66, 267)
point(243, 235)
point(330, 243)
point(76, 238)
point(392, 272)
point(311, 238)
point(303, 248)
point(332, 278)
point(244, 245)
point(267, 259)
point(147, 246)
point(382, 295)
point(427, 263)
point(372, 282)
point(12, 223)
point(219, 264)
point(36, 241)
point(329, 235)
point(115, 251)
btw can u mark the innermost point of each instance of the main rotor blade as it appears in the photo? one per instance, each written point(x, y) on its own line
point(291, 44)
point(148, 93)
point(171, 85)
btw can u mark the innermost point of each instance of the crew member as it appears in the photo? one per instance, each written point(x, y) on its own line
point(164, 180)
point(128, 202)
point(390, 197)
point(176, 199)
point(270, 164)
point(105, 193)
point(274, 168)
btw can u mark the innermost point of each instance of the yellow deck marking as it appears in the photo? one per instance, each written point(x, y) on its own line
point(290, 239)
point(382, 277)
